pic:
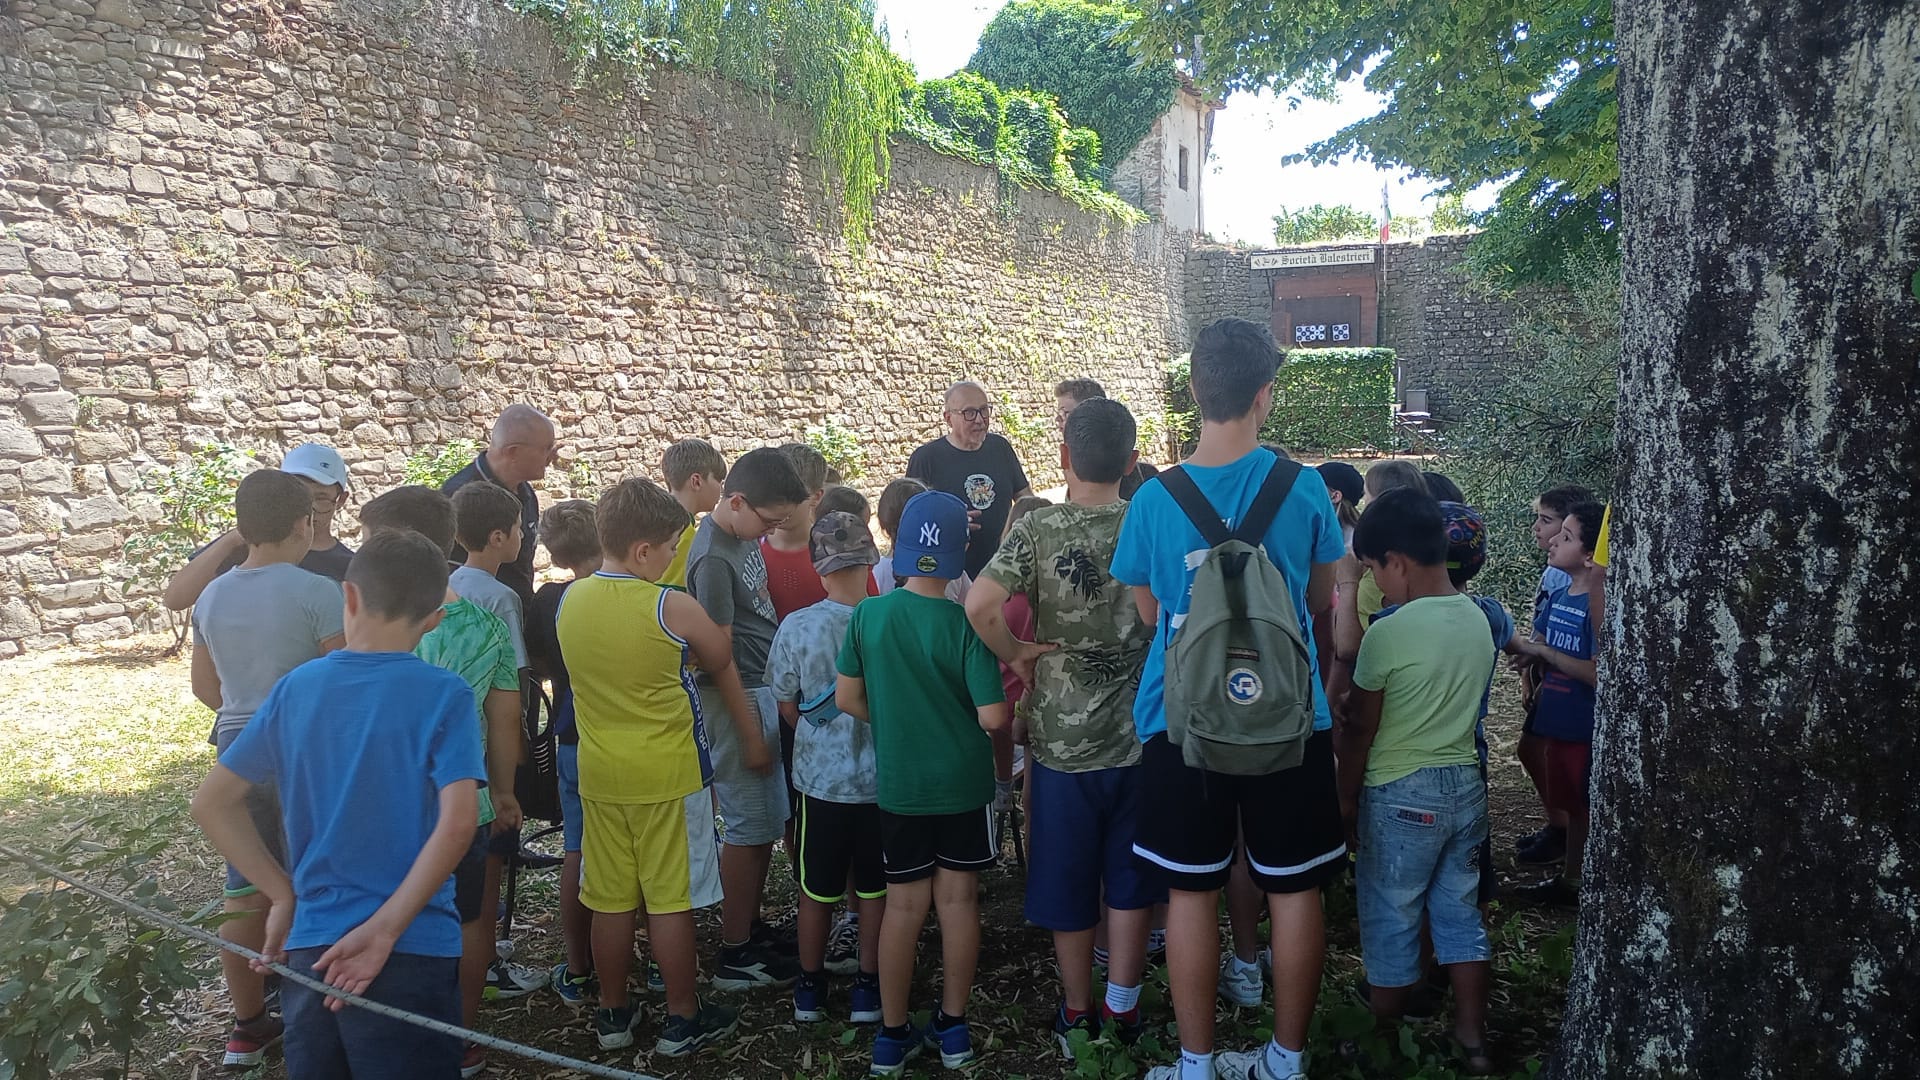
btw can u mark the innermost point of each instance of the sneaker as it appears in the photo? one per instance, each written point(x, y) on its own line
point(1547, 845)
point(1241, 986)
point(1156, 946)
point(686, 1034)
point(866, 999)
point(1266, 966)
point(473, 1062)
point(1555, 891)
point(614, 1027)
point(507, 980)
point(1419, 1008)
point(272, 987)
point(891, 1054)
point(577, 991)
point(529, 859)
point(955, 1042)
point(743, 967)
point(247, 1043)
point(843, 947)
point(656, 982)
point(1251, 1064)
point(777, 940)
point(1063, 1030)
point(810, 997)
point(1126, 1027)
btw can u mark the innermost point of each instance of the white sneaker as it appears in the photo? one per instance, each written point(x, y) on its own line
point(843, 947)
point(1247, 1065)
point(1241, 987)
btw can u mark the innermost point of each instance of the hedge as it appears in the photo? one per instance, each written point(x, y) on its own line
point(1323, 399)
point(968, 104)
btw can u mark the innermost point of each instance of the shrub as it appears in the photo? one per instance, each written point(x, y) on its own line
point(967, 104)
point(1082, 149)
point(1323, 399)
point(841, 446)
point(1550, 423)
point(1033, 129)
point(196, 505)
point(433, 467)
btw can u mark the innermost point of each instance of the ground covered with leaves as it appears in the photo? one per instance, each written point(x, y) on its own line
point(107, 747)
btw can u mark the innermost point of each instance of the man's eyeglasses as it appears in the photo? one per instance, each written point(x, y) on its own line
point(974, 416)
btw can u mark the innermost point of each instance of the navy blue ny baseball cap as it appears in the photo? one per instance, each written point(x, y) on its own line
point(932, 541)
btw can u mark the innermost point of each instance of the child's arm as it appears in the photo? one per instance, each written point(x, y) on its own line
point(986, 604)
point(1149, 607)
point(850, 693)
point(713, 647)
point(188, 582)
point(1346, 610)
point(206, 680)
point(503, 758)
point(1586, 671)
point(994, 719)
point(353, 962)
point(790, 713)
point(1353, 741)
point(220, 809)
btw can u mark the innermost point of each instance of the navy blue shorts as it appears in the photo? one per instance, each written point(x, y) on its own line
point(322, 1044)
point(1082, 827)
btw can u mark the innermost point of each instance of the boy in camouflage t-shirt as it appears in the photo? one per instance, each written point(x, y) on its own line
point(1082, 671)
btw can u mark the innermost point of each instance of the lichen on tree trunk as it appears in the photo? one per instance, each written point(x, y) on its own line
point(1753, 887)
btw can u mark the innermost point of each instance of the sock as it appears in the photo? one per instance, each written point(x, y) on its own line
point(1281, 1061)
point(1196, 1066)
point(1245, 967)
point(1100, 957)
point(904, 1031)
point(1073, 1015)
point(1122, 999)
point(867, 977)
point(942, 1021)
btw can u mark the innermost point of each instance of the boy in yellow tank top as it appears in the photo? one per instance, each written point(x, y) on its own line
point(642, 752)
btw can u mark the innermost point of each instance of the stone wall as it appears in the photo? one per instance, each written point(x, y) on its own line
point(377, 223)
point(1452, 340)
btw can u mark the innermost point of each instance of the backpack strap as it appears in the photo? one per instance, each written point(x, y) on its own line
point(1266, 505)
point(1198, 510)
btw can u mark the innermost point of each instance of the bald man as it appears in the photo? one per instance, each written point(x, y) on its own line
point(519, 450)
point(975, 464)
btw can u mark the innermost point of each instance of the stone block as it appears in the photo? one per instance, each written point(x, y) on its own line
point(89, 445)
point(18, 442)
point(54, 261)
point(17, 618)
point(45, 476)
point(30, 376)
point(50, 408)
point(66, 593)
point(91, 633)
point(95, 512)
point(148, 180)
point(43, 642)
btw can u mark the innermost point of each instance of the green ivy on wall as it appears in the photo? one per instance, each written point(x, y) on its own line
point(1323, 399)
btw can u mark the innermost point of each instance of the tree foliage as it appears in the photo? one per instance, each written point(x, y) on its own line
point(1076, 50)
point(1311, 224)
point(1477, 91)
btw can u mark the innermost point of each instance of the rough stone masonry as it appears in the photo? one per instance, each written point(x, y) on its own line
point(376, 223)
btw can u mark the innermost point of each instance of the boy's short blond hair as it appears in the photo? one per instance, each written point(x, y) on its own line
point(1384, 476)
point(811, 464)
point(688, 457)
point(571, 531)
point(637, 511)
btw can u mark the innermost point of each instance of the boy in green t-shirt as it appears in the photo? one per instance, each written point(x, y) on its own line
point(913, 668)
point(1411, 790)
point(476, 645)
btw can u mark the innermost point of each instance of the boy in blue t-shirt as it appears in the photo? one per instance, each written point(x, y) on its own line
point(1547, 844)
point(1565, 639)
point(369, 734)
point(1294, 841)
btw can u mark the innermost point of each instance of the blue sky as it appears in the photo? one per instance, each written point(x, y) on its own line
point(1246, 184)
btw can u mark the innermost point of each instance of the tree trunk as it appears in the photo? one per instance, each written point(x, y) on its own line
point(1753, 887)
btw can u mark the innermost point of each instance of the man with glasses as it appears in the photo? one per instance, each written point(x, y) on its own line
point(970, 461)
point(321, 470)
point(519, 450)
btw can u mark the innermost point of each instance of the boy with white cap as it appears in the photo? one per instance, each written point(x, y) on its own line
point(324, 472)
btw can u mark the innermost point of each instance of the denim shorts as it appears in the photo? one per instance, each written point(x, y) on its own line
point(1420, 842)
point(567, 765)
point(358, 1042)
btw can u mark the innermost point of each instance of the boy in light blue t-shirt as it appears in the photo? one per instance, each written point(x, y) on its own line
point(370, 734)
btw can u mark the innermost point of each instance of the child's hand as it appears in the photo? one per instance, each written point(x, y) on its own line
point(279, 921)
point(1025, 653)
point(756, 756)
point(354, 961)
point(506, 813)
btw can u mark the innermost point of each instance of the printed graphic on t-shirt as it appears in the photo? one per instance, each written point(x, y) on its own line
point(754, 574)
point(980, 491)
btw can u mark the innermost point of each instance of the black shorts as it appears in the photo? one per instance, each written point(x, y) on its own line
point(912, 845)
point(1290, 820)
point(836, 839)
point(470, 877)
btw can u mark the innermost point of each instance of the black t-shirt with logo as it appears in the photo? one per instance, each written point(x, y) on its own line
point(328, 563)
point(986, 480)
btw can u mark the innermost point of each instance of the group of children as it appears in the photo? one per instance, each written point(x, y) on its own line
point(734, 663)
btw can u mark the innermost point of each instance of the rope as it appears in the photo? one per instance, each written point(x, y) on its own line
point(205, 938)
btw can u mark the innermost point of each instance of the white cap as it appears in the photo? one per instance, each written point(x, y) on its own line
point(317, 462)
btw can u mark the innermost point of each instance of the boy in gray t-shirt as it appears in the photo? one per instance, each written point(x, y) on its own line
point(251, 626)
point(486, 522)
